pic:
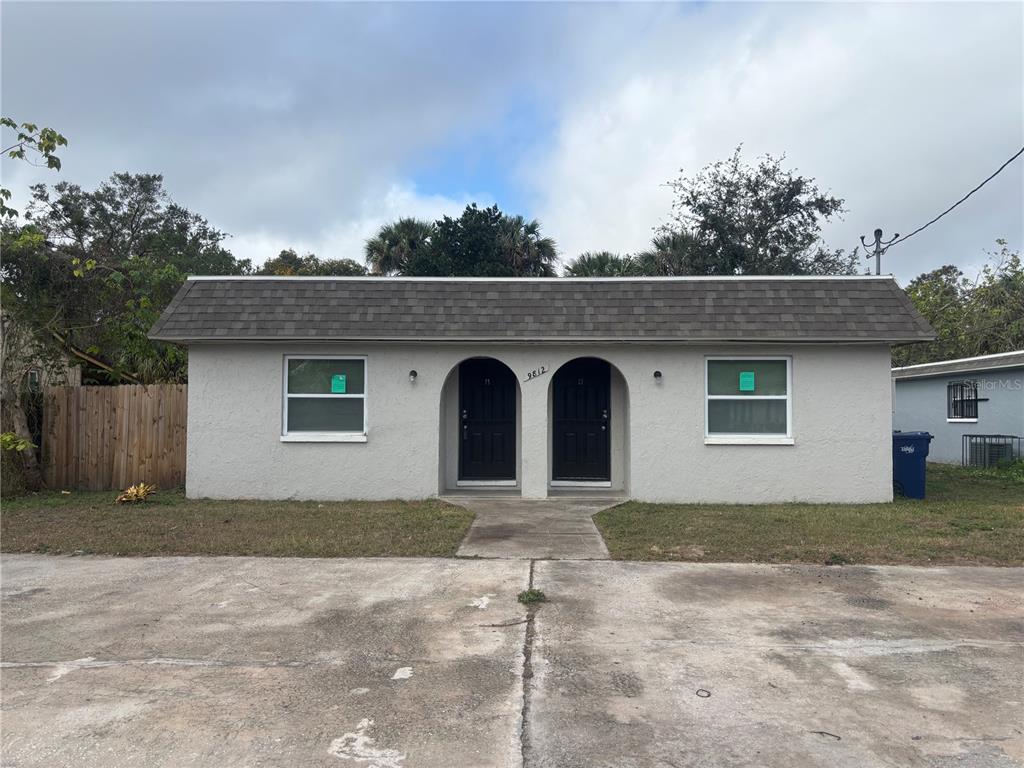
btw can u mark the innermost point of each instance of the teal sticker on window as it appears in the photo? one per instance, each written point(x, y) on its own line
point(746, 381)
point(338, 384)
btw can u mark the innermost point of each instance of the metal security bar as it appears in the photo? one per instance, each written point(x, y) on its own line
point(991, 450)
point(962, 400)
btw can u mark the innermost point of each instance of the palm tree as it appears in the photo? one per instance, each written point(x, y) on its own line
point(601, 264)
point(524, 250)
point(671, 254)
point(396, 244)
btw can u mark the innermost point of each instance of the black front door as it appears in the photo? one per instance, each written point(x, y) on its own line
point(487, 420)
point(582, 427)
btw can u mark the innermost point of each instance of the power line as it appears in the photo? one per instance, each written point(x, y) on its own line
point(958, 202)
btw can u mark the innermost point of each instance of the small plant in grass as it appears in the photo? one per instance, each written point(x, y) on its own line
point(531, 597)
point(837, 558)
point(136, 494)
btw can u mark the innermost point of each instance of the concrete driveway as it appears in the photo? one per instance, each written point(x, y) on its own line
point(405, 663)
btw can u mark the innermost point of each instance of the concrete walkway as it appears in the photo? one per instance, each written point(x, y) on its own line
point(522, 529)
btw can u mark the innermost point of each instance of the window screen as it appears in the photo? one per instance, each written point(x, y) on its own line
point(325, 395)
point(748, 397)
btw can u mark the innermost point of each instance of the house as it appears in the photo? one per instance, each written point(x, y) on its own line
point(745, 389)
point(31, 365)
point(974, 407)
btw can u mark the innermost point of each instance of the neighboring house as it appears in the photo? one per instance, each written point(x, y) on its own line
point(29, 365)
point(38, 375)
point(974, 396)
point(752, 389)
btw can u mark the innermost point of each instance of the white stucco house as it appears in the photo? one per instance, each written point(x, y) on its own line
point(973, 407)
point(743, 390)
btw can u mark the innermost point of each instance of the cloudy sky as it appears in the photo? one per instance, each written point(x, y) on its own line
point(308, 125)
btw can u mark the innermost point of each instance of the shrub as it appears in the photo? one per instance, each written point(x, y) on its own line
point(12, 466)
point(9, 441)
point(135, 494)
point(12, 475)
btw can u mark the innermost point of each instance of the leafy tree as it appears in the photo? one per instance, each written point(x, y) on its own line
point(288, 262)
point(481, 242)
point(92, 270)
point(601, 264)
point(980, 317)
point(19, 348)
point(29, 140)
point(750, 220)
point(397, 244)
point(21, 328)
point(466, 246)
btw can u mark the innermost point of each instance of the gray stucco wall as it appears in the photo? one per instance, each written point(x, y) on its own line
point(841, 425)
point(920, 405)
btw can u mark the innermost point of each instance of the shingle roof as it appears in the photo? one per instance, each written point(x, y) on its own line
point(564, 309)
point(963, 365)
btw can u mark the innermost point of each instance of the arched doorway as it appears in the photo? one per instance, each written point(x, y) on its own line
point(581, 423)
point(480, 425)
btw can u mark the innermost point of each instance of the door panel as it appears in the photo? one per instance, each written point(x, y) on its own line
point(581, 441)
point(487, 421)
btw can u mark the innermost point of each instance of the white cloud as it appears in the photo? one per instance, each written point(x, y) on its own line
point(305, 131)
point(302, 132)
point(345, 238)
point(899, 109)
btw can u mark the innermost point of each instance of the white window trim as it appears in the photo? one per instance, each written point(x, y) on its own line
point(323, 437)
point(731, 438)
point(961, 421)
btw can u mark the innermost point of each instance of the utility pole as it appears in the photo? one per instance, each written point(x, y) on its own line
point(880, 248)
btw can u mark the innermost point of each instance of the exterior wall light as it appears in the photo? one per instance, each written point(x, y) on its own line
point(413, 375)
point(657, 375)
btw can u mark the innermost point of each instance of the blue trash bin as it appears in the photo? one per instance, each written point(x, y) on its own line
point(909, 451)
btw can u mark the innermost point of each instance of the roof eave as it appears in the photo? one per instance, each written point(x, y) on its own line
point(538, 339)
point(953, 371)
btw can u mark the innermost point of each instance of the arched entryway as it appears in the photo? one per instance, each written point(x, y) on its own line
point(588, 417)
point(480, 424)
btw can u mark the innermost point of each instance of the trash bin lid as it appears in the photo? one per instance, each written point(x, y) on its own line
point(912, 435)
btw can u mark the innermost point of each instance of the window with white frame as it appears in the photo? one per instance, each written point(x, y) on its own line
point(748, 397)
point(324, 396)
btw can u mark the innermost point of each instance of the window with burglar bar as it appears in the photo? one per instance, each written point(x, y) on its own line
point(962, 400)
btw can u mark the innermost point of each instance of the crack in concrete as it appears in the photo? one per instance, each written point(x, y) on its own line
point(524, 721)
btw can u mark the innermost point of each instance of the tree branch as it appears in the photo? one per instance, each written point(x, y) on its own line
point(83, 355)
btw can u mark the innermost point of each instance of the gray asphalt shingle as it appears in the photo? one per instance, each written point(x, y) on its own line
point(651, 309)
point(965, 365)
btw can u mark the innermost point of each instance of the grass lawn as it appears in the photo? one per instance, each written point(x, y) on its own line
point(969, 517)
point(170, 524)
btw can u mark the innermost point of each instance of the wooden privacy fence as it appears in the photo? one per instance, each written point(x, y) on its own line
point(103, 438)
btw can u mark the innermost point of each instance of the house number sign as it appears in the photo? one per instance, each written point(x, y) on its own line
point(540, 370)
